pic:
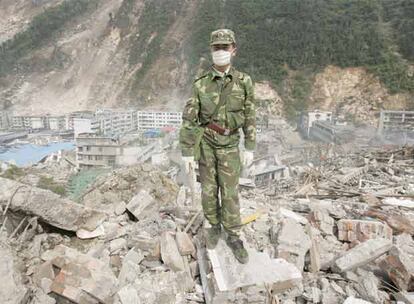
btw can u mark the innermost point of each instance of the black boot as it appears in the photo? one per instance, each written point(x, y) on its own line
point(236, 245)
point(213, 236)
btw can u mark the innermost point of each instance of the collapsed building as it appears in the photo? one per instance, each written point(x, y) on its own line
point(320, 227)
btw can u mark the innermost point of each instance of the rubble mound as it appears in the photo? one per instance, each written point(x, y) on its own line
point(122, 184)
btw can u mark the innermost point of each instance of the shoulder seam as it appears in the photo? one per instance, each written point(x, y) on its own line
point(200, 77)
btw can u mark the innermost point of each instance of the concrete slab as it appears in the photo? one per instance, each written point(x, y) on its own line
point(362, 254)
point(352, 300)
point(142, 205)
point(260, 269)
point(49, 207)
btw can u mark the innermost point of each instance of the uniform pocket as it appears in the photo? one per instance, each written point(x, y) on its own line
point(208, 103)
point(235, 102)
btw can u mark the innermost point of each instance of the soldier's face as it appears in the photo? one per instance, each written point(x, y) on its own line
point(224, 47)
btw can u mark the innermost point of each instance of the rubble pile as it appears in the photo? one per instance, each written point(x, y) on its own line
point(341, 234)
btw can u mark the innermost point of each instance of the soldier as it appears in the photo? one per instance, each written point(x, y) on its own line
point(222, 102)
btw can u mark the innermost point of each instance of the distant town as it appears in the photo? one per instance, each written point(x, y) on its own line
point(122, 137)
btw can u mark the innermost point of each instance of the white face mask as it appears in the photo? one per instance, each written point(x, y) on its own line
point(221, 57)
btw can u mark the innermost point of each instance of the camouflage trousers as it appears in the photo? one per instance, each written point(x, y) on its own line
point(219, 176)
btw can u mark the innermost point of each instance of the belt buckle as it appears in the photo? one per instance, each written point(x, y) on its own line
point(226, 132)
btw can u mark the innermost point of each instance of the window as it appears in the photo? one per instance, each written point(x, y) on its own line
point(90, 157)
point(100, 149)
point(80, 149)
point(88, 148)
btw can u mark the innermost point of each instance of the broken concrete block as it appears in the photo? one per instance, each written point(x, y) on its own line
point(314, 252)
point(292, 242)
point(362, 254)
point(85, 234)
point(40, 297)
point(12, 291)
point(393, 201)
point(130, 268)
point(181, 197)
point(44, 271)
point(129, 273)
point(400, 267)
point(120, 208)
point(286, 213)
point(404, 297)
point(170, 254)
point(129, 295)
point(117, 244)
point(49, 207)
point(321, 220)
point(184, 243)
point(134, 256)
point(330, 292)
point(82, 278)
point(142, 205)
point(352, 300)
point(368, 286)
point(359, 230)
point(260, 269)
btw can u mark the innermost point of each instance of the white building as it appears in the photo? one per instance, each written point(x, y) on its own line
point(4, 120)
point(29, 122)
point(156, 120)
point(78, 114)
point(56, 123)
point(396, 121)
point(116, 121)
point(85, 125)
point(309, 118)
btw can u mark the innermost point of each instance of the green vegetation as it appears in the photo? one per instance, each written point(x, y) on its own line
point(80, 181)
point(49, 184)
point(40, 31)
point(145, 45)
point(13, 172)
point(277, 35)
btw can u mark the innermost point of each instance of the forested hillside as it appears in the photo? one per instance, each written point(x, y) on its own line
point(150, 50)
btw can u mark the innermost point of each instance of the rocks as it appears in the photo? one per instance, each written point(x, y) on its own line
point(359, 230)
point(49, 207)
point(12, 290)
point(352, 300)
point(292, 242)
point(117, 244)
point(81, 277)
point(170, 254)
point(322, 221)
point(142, 205)
point(362, 254)
point(184, 243)
point(399, 263)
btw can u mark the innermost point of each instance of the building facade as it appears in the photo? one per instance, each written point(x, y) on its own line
point(30, 122)
point(157, 120)
point(4, 120)
point(307, 120)
point(95, 151)
point(396, 121)
point(116, 121)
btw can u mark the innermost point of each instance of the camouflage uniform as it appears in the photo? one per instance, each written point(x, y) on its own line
point(219, 162)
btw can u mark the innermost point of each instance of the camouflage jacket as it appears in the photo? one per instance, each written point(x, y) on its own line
point(237, 111)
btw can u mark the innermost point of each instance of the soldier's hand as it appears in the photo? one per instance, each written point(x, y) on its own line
point(247, 158)
point(189, 163)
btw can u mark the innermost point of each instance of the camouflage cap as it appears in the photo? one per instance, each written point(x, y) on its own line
point(222, 36)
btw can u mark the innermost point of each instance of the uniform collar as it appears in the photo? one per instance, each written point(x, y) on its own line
point(217, 74)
